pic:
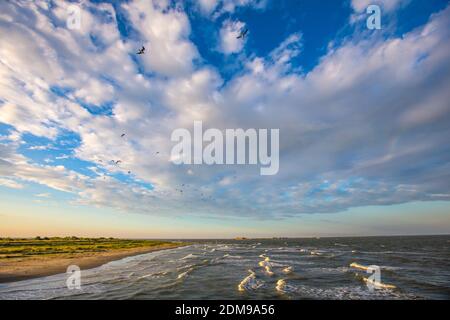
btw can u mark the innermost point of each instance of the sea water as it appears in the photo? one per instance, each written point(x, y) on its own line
point(418, 267)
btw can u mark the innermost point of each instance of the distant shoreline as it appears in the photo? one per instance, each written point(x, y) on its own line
point(19, 269)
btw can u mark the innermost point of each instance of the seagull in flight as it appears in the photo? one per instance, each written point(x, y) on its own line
point(141, 51)
point(242, 34)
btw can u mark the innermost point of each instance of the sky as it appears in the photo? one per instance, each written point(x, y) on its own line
point(364, 117)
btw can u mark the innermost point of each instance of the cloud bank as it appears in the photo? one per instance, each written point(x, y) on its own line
point(368, 125)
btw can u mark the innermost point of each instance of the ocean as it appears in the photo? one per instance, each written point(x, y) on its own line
point(418, 267)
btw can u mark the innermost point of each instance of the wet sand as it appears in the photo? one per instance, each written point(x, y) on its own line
point(17, 269)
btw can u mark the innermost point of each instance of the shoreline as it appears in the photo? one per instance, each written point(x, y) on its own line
point(13, 270)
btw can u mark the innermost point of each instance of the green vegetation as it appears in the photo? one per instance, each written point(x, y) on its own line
point(19, 248)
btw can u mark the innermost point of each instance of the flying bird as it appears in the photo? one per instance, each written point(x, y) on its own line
point(122, 135)
point(242, 34)
point(141, 51)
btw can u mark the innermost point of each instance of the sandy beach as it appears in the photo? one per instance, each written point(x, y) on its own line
point(17, 269)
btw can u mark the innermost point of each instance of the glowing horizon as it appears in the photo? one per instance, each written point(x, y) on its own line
point(86, 118)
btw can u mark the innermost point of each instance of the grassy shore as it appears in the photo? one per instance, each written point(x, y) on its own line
point(22, 259)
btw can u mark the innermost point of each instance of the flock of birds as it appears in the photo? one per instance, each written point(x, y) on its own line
point(179, 190)
point(242, 35)
point(115, 162)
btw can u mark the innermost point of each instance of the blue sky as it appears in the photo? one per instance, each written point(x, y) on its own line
point(363, 117)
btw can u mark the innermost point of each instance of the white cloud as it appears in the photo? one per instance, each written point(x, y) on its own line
point(95, 92)
point(388, 5)
point(43, 195)
point(369, 118)
point(229, 43)
point(230, 6)
point(217, 8)
point(10, 184)
point(46, 147)
point(208, 6)
point(164, 32)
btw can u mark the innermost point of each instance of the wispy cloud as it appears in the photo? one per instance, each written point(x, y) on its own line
point(217, 8)
point(10, 183)
point(43, 195)
point(388, 5)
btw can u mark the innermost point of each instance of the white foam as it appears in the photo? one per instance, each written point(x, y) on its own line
point(341, 244)
point(250, 282)
point(288, 270)
point(350, 293)
point(378, 285)
point(269, 271)
point(358, 266)
point(262, 263)
point(390, 268)
point(184, 274)
point(281, 284)
point(189, 256)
